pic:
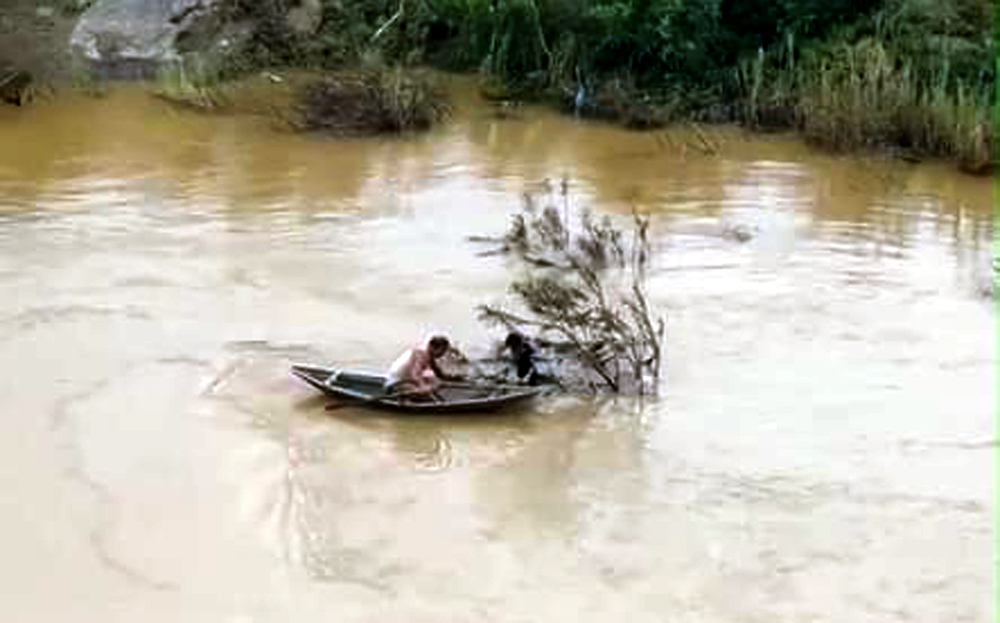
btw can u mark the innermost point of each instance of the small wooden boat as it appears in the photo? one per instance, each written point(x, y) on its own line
point(369, 389)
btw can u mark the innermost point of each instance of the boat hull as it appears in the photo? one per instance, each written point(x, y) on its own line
point(368, 390)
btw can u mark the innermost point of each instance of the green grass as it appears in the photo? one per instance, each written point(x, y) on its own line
point(192, 83)
point(867, 92)
point(864, 95)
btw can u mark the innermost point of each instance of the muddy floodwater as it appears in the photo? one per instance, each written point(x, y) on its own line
point(822, 449)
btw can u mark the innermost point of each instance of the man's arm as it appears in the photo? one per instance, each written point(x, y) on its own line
point(438, 372)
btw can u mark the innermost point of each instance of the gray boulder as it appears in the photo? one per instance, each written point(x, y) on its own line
point(143, 33)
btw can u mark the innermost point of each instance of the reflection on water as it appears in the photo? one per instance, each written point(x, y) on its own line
point(820, 452)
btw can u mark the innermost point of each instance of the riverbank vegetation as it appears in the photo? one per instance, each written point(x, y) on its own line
point(368, 100)
point(912, 75)
point(190, 83)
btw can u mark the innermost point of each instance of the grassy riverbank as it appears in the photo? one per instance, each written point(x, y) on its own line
point(910, 75)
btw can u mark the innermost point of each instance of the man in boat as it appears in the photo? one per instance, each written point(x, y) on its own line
point(416, 373)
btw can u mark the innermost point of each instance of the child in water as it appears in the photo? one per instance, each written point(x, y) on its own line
point(416, 372)
point(522, 355)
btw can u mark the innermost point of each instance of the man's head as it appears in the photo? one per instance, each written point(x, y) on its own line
point(514, 341)
point(439, 345)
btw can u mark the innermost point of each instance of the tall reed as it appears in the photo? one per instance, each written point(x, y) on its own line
point(864, 95)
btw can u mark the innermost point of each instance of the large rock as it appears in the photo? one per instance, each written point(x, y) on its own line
point(142, 33)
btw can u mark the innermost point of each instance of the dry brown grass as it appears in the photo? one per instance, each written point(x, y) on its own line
point(371, 102)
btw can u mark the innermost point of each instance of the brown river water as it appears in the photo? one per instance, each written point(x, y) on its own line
point(822, 449)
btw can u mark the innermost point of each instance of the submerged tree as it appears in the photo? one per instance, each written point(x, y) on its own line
point(584, 293)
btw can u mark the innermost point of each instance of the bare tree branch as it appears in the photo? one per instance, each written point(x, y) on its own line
point(569, 291)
